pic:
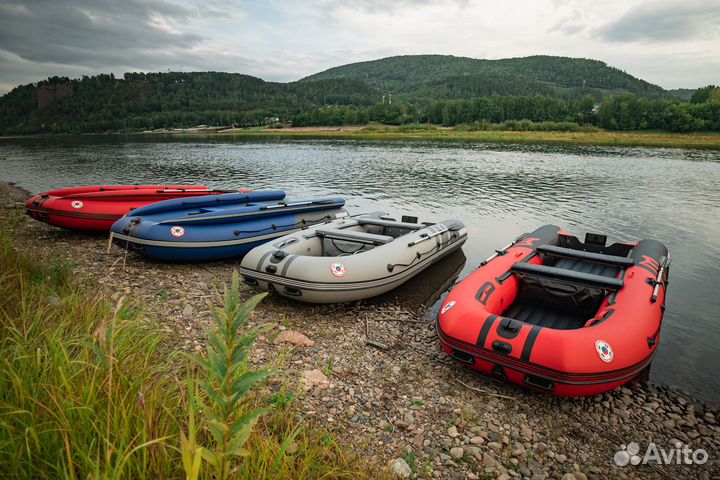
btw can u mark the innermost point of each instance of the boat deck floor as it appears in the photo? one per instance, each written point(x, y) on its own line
point(586, 267)
point(545, 315)
point(536, 311)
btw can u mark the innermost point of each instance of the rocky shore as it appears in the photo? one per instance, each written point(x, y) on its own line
point(406, 404)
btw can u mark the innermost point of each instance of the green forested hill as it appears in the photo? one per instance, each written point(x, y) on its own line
point(161, 100)
point(437, 89)
point(445, 76)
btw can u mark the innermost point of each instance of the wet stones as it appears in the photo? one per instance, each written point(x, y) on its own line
point(457, 452)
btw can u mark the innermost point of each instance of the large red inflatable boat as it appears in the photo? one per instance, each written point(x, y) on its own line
point(98, 207)
point(558, 315)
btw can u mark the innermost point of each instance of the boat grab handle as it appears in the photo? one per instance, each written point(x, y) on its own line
point(283, 205)
point(539, 383)
point(187, 190)
point(462, 357)
point(297, 204)
point(425, 236)
point(664, 265)
point(502, 251)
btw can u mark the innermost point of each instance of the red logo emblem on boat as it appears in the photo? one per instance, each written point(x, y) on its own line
point(650, 263)
point(77, 204)
point(604, 351)
point(526, 242)
point(177, 232)
point(338, 269)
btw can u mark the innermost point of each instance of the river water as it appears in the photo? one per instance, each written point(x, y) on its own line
point(498, 191)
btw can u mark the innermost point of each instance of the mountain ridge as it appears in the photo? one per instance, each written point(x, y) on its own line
point(545, 73)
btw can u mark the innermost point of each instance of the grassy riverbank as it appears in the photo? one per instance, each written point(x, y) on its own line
point(601, 137)
point(89, 389)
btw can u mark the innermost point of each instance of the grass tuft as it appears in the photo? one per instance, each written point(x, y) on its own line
point(81, 392)
point(87, 391)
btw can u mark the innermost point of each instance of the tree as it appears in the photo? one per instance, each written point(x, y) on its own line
point(705, 94)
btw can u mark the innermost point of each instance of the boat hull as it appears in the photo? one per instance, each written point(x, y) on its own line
point(96, 208)
point(317, 278)
point(523, 316)
point(217, 227)
point(540, 380)
point(209, 251)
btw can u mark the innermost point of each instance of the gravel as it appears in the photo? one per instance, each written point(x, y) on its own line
point(403, 401)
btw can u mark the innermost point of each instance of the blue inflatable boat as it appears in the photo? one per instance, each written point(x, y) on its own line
point(216, 227)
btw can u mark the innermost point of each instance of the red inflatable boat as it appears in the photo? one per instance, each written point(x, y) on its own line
point(558, 315)
point(98, 207)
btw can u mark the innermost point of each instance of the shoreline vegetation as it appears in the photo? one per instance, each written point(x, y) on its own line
point(95, 380)
point(433, 133)
point(499, 134)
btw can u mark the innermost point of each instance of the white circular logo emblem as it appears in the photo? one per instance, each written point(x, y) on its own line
point(77, 204)
point(628, 454)
point(338, 269)
point(177, 231)
point(604, 351)
point(447, 306)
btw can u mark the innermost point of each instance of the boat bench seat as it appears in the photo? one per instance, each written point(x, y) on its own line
point(388, 223)
point(353, 236)
point(567, 276)
point(556, 251)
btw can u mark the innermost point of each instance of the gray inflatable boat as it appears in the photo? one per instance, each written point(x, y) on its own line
point(350, 259)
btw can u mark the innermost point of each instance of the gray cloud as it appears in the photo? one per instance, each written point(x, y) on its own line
point(658, 21)
point(39, 38)
point(91, 32)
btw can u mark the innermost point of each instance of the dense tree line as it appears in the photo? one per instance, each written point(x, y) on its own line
point(159, 100)
point(619, 113)
point(141, 101)
point(632, 113)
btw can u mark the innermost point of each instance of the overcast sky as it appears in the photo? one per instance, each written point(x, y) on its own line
point(673, 43)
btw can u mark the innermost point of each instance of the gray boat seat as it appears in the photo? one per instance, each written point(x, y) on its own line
point(388, 223)
point(562, 252)
point(567, 276)
point(353, 236)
